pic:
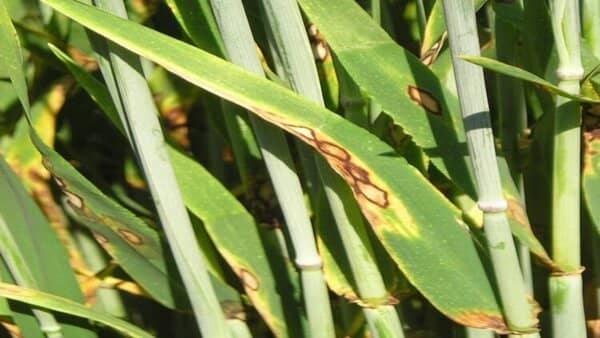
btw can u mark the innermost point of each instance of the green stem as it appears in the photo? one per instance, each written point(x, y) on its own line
point(287, 30)
point(241, 49)
point(513, 119)
point(462, 30)
point(566, 296)
point(140, 116)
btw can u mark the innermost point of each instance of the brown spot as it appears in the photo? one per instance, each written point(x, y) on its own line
point(320, 50)
point(373, 193)
point(516, 212)
point(312, 30)
point(59, 182)
point(233, 310)
point(341, 160)
point(428, 59)
point(424, 99)
point(130, 236)
point(333, 150)
point(73, 200)
point(431, 55)
point(100, 238)
point(302, 132)
point(249, 280)
point(590, 139)
point(482, 320)
point(357, 172)
point(227, 155)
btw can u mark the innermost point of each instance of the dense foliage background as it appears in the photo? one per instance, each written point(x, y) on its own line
point(310, 168)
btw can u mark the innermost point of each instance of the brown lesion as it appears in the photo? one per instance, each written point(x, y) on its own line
point(356, 176)
point(339, 158)
point(590, 137)
point(130, 236)
point(424, 99)
point(480, 319)
point(319, 46)
point(429, 56)
point(249, 280)
point(100, 238)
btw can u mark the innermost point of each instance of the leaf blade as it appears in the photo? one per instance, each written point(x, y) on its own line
point(405, 224)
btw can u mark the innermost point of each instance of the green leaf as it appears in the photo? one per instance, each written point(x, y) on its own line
point(591, 175)
point(227, 222)
point(433, 37)
point(196, 19)
point(64, 305)
point(11, 56)
point(134, 245)
point(408, 91)
point(37, 243)
point(406, 212)
point(524, 75)
point(236, 237)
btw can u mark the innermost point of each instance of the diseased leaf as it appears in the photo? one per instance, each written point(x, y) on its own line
point(409, 92)
point(38, 245)
point(134, 245)
point(524, 75)
point(64, 305)
point(227, 222)
point(406, 212)
point(434, 35)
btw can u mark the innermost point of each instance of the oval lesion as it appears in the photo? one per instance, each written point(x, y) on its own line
point(424, 99)
point(130, 236)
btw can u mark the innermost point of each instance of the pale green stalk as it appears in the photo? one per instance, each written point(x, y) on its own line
point(287, 29)
point(513, 120)
point(462, 31)
point(241, 49)
point(9, 250)
point(566, 293)
point(140, 117)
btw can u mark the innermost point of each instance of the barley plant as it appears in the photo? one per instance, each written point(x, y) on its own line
point(300, 169)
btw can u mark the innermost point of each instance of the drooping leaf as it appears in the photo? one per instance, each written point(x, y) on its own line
point(524, 75)
point(64, 305)
point(405, 211)
point(41, 250)
point(229, 225)
point(433, 37)
point(408, 91)
point(132, 243)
